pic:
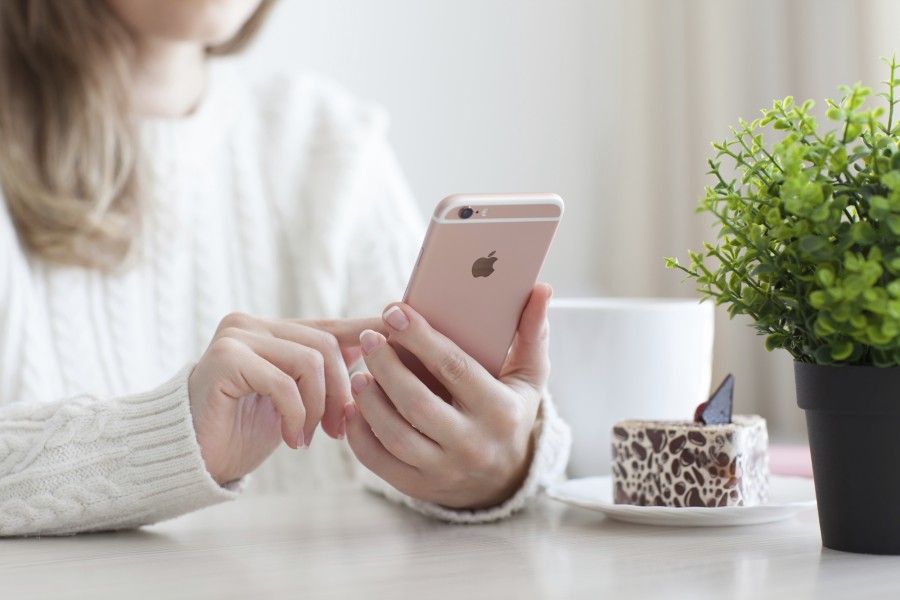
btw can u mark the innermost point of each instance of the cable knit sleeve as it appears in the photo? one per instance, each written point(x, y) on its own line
point(387, 243)
point(88, 464)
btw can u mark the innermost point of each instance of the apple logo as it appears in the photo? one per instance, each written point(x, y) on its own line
point(484, 266)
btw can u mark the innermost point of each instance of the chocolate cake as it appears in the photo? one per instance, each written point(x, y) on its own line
point(693, 463)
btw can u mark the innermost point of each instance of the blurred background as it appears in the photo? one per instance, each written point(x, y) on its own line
point(611, 103)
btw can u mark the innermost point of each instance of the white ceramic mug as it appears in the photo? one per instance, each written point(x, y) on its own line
point(621, 358)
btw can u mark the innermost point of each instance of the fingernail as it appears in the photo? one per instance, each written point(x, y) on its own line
point(358, 381)
point(396, 318)
point(301, 441)
point(369, 340)
point(342, 429)
point(350, 410)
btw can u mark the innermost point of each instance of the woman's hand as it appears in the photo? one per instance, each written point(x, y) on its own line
point(472, 451)
point(262, 381)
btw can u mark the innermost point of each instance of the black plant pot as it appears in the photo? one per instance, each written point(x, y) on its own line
point(853, 418)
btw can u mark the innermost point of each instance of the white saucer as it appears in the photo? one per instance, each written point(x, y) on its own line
point(789, 496)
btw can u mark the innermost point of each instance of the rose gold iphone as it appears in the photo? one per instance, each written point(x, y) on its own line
point(477, 267)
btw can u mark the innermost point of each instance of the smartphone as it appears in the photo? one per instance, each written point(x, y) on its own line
point(476, 269)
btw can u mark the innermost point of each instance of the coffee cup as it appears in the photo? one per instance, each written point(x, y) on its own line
point(624, 358)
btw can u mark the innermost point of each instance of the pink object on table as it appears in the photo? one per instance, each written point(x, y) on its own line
point(792, 460)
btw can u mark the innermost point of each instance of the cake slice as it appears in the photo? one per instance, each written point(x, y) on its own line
point(692, 463)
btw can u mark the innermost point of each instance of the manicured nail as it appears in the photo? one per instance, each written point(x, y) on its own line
point(358, 381)
point(350, 410)
point(301, 441)
point(396, 318)
point(369, 340)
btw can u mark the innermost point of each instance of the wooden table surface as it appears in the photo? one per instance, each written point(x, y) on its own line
point(349, 543)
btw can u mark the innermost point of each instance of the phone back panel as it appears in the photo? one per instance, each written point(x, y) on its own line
point(474, 276)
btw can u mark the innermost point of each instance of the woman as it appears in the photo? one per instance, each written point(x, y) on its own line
point(156, 204)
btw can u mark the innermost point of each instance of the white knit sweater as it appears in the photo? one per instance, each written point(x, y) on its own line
point(277, 198)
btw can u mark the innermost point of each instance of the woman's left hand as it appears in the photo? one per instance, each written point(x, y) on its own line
point(472, 451)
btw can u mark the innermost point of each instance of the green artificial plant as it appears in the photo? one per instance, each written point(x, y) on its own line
point(809, 228)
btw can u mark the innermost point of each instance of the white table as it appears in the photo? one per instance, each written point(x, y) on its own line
point(353, 544)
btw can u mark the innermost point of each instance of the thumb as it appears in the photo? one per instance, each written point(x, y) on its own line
point(528, 361)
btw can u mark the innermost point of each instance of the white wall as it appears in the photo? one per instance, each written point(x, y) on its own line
point(485, 95)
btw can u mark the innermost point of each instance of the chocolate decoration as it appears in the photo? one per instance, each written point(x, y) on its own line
point(677, 444)
point(717, 410)
point(697, 437)
point(694, 498)
point(658, 438)
point(639, 450)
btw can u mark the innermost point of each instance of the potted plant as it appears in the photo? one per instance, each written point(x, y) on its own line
point(809, 249)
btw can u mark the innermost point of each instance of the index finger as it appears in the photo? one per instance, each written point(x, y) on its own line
point(330, 337)
point(345, 331)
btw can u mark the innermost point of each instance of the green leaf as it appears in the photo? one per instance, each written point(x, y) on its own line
point(823, 327)
point(893, 223)
point(822, 355)
point(838, 161)
point(764, 269)
point(775, 340)
point(891, 179)
point(841, 350)
point(862, 232)
point(815, 246)
point(825, 275)
point(818, 299)
point(893, 288)
point(893, 265)
point(820, 214)
point(879, 207)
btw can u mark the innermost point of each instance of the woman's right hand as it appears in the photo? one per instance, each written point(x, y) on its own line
point(261, 381)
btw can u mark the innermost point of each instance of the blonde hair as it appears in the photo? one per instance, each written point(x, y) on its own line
point(70, 164)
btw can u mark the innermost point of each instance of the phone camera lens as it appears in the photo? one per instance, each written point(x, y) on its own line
point(465, 213)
